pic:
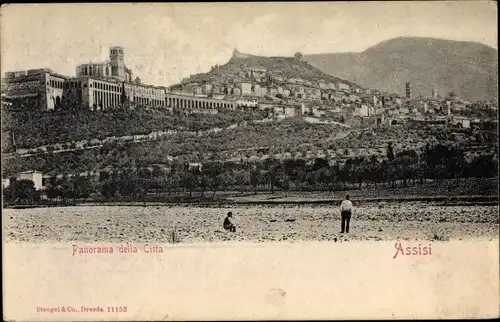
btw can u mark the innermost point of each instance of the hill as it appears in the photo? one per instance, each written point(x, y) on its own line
point(37, 129)
point(467, 68)
point(282, 68)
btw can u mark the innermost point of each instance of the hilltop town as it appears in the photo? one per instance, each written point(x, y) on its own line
point(233, 127)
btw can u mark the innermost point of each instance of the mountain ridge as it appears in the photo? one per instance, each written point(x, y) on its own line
point(467, 68)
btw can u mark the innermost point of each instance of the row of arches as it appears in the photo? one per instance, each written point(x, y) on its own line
point(178, 102)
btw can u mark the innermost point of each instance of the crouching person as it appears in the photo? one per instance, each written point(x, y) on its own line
point(228, 223)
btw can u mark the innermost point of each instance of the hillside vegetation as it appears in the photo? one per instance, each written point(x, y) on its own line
point(467, 68)
point(33, 130)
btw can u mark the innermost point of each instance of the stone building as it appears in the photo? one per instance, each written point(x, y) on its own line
point(178, 101)
point(91, 92)
point(115, 67)
point(34, 176)
point(148, 95)
point(343, 87)
point(40, 89)
point(246, 88)
point(99, 93)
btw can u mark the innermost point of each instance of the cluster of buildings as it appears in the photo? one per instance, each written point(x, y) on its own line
point(96, 86)
point(103, 85)
point(286, 95)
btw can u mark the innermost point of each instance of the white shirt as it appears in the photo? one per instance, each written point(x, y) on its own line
point(346, 205)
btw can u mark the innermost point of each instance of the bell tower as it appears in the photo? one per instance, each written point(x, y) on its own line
point(117, 63)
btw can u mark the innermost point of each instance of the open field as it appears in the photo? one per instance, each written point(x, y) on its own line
point(256, 223)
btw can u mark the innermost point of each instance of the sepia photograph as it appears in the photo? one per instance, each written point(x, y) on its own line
point(265, 160)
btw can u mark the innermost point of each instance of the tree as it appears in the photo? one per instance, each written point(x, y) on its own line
point(81, 187)
point(390, 152)
point(8, 194)
point(108, 188)
point(298, 55)
point(24, 190)
point(214, 178)
point(52, 192)
point(188, 181)
point(71, 100)
point(241, 179)
point(272, 176)
point(129, 184)
point(254, 179)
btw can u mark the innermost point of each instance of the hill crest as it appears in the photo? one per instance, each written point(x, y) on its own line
point(281, 67)
point(467, 68)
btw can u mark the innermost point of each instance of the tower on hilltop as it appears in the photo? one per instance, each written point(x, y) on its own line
point(408, 90)
point(116, 56)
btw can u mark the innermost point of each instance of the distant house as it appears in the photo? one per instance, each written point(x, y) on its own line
point(343, 87)
point(236, 91)
point(34, 176)
point(458, 106)
point(197, 90)
point(317, 112)
point(262, 91)
point(217, 89)
point(404, 110)
point(246, 89)
point(247, 103)
point(206, 88)
point(291, 111)
point(361, 110)
point(218, 96)
point(5, 182)
point(257, 72)
point(339, 94)
point(195, 165)
point(315, 93)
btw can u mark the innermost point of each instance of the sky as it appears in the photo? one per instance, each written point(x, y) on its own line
point(164, 43)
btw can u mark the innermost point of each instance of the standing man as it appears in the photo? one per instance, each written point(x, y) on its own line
point(345, 213)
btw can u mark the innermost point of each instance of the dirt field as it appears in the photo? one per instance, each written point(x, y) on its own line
point(377, 221)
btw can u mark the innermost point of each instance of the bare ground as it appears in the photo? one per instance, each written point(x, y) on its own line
point(135, 224)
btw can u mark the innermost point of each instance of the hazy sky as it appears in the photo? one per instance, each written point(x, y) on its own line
point(166, 42)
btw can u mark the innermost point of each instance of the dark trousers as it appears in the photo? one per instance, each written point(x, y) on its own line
point(231, 228)
point(346, 218)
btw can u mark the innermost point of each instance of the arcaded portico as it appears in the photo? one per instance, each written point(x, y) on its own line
point(193, 102)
